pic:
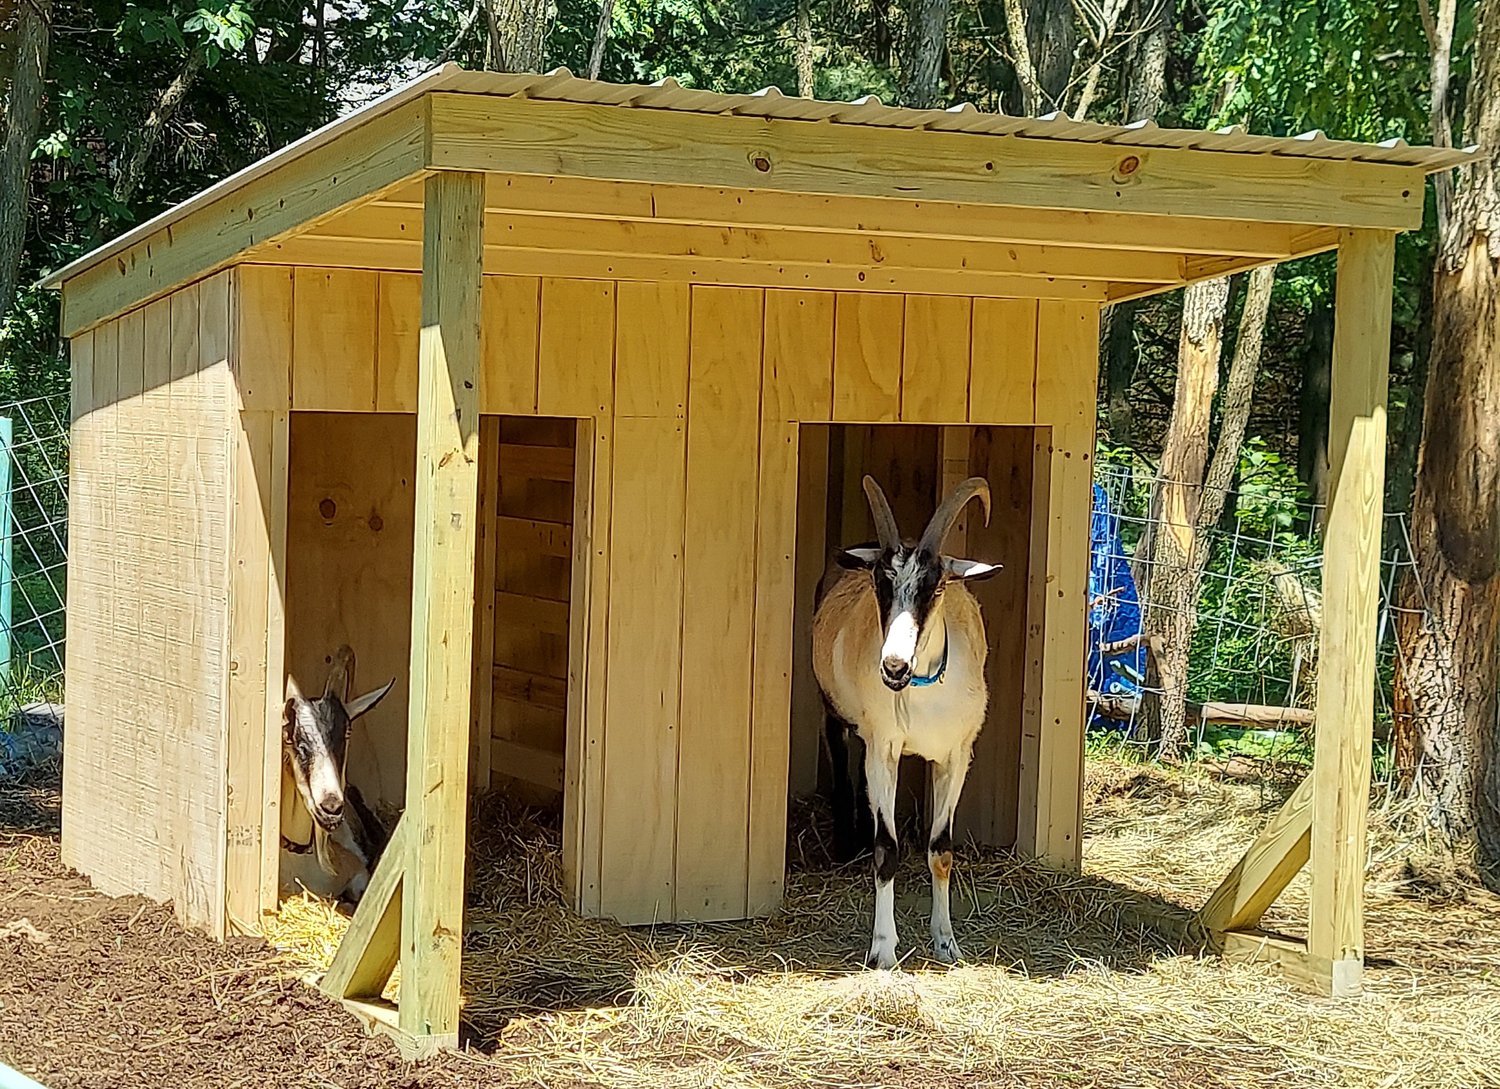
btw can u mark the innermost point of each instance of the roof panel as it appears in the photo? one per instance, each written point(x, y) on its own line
point(562, 86)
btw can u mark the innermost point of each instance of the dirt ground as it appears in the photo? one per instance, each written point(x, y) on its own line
point(1068, 985)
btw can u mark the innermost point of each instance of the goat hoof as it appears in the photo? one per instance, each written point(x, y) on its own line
point(945, 948)
point(882, 956)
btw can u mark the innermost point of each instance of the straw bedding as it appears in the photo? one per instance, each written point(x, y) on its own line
point(1070, 980)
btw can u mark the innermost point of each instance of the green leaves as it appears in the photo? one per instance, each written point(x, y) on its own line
point(1354, 68)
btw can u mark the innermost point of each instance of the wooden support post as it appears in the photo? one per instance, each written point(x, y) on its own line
point(413, 909)
point(447, 499)
point(1051, 815)
point(1351, 584)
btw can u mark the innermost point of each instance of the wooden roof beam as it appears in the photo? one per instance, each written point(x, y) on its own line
point(771, 210)
point(320, 251)
point(468, 132)
point(377, 156)
point(856, 251)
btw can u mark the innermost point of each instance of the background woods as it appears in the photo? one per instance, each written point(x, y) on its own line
point(1214, 400)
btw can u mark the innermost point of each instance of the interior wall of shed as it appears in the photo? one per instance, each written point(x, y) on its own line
point(350, 524)
point(915, 465)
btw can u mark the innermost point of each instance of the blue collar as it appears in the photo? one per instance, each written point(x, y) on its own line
point(937, 676)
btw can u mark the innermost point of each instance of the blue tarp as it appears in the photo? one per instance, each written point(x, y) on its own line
point(1114, 609)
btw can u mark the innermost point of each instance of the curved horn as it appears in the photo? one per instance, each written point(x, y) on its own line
point(885, 522)
point(947, 513)
point(341, 674)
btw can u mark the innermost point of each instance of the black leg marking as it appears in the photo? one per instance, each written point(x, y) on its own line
point(850, 815)
point(887, 854)
point(942, 843)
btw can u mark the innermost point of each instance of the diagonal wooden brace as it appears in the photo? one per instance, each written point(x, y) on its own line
point(1266, 868)
point(372, 945)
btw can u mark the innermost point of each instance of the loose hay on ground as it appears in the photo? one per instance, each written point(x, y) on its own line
point(1070, 980)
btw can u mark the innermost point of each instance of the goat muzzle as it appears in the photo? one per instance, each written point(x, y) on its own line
point(329, 814)
point(896, 673)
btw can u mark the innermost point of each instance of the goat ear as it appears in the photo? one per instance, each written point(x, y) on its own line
point(969, 570)
point(857, 559)
point(360, 704)
point(288, 716)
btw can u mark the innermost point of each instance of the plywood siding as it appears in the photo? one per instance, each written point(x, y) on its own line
point(144, 794)
point(645, 569)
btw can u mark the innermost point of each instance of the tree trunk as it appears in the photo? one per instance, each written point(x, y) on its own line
point(601, 37)
point(804, 49)
point(884, 40)
point(1406, 428)
point(1452, 655)
point(1145, 83)
point(1167, 560)
point(1234, 407)
point(1119, 372)
point(23, 111)
point(1020, 58)
point(518, 35)
point(928, 28)
point(1053, 39)
point(1146, 66)
point(156, 121)
point(1312, 407)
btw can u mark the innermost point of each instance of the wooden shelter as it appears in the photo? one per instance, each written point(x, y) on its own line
point(550, 396)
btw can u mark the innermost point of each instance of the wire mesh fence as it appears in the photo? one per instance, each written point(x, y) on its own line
point(1252, 661)
point(33, 550)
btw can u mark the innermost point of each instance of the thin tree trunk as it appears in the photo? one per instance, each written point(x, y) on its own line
point(1234, 406)
point(1167, 559)
point(884, 40)
point(156, 122)
point(23, 111)
point(1312, 407)
point(601, 36)
point(928, 27)
point(1020, 57)
point(804, 49)
point(1452, 656)
point(1100, 35)
point(1119, 372)
point(459, 35)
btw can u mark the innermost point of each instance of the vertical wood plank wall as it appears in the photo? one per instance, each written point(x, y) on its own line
point(145, 800)
point(653, 619)
point(527, 685)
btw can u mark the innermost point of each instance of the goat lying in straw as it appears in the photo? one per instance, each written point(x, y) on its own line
point(899, 650)
point(332, 815)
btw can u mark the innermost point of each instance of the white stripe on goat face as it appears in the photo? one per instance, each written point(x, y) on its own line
point(904, 618)
point(319, 766)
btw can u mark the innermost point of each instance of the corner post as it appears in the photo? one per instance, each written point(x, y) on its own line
point(447, 500)
point(1351, 584)
point(1050, 824)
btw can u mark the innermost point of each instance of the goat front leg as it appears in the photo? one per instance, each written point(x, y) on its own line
point(947, 784)
point(882, 762)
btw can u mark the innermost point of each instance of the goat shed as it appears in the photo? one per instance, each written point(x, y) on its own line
point(516, 353)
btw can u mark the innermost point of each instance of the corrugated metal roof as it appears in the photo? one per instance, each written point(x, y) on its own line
point(560, 85)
